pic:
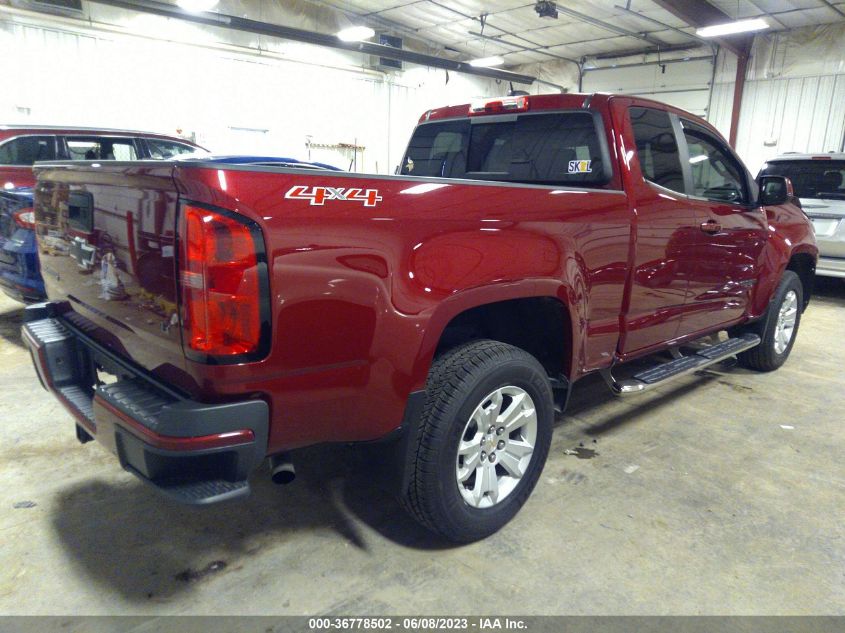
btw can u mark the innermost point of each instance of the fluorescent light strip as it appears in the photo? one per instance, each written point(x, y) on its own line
point(355, 33)
point(731, 28)
point(487, 62)
point(197, 6)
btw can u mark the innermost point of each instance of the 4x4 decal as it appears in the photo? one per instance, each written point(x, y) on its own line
point(318, 195)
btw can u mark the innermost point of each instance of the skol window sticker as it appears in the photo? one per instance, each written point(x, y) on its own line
point(580, 167)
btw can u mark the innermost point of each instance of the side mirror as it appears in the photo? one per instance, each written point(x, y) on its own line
point(775, 190)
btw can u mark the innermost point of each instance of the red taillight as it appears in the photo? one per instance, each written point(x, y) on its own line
point(25, 218)
point(499, 105)
point(221, 283)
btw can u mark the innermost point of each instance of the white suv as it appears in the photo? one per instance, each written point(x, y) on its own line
point(819, 181)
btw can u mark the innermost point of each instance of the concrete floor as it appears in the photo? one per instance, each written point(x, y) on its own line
point(721, 494)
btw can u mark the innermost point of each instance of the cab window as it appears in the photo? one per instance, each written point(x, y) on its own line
point(657, 148)
point(25, 150)
point(716, 174)
point(562, 148)
point(98, 148)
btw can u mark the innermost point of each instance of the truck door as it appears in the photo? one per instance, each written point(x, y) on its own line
point(731, 231)
point(664, 232)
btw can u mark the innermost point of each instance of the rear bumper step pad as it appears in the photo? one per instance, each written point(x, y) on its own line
point(193, 452)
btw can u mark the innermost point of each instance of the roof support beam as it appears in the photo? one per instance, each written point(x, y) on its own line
point(520, 48)
point(830, 6)
point(236, 23)
point(607, 26)
point(692, 36)
point(654, 50)
point(739, 88)
point(699, 13)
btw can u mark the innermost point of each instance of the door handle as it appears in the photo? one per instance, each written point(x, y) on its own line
point(711, 226)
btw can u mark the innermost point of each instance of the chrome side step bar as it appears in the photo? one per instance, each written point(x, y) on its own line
point(681, 366)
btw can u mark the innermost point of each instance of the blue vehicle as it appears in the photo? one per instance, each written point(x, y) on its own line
point(20, 275)
point(270, 161)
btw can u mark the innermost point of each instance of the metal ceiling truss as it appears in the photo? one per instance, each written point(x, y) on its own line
point(321, 39)
point(655, 50)
point(538, 48)
point(645, 36)
point(692, 36)
point(699, 13)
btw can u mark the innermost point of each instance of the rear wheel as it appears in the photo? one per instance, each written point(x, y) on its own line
point(483, 439)
point(778, 328)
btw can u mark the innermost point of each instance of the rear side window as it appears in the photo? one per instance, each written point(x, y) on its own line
point(547, 149)
point(814, 178)
point(657, 148)
point(96, 148)
point(162, 150)
point(25, 150)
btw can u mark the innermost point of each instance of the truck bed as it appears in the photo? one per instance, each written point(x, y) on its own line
point(363, 260)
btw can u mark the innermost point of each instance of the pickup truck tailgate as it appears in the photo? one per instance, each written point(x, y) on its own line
point(106, 241)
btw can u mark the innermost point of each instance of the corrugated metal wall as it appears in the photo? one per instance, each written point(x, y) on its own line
point(794, 99)
point(792, 115)
point(800, 114)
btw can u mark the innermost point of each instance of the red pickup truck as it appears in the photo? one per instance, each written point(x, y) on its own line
point(204, 317)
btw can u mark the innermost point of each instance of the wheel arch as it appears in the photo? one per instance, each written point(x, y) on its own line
point(534, 315)
point(803, 264)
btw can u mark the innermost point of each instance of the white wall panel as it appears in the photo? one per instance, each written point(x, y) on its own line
point(804, 114)
point(684, 84)
point(794, 99)
point(233, 99)
point(721, 103)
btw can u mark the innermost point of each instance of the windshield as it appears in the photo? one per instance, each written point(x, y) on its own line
point(562, 148)
point(818, 178)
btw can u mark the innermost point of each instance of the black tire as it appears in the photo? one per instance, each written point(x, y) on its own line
point(766, 357)
point(459, 381)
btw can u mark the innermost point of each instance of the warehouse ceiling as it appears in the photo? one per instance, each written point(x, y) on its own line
point(513, 29)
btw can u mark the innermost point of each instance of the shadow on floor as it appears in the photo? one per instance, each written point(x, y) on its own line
point(128, 538)
point(10, 324)
point(591, 392)
point(829, 290)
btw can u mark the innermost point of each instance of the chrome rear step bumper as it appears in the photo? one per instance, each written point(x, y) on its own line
point(191, 451)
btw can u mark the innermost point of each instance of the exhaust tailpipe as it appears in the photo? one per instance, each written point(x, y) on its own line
point(281, 469)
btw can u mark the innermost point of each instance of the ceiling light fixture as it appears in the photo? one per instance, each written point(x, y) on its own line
point(487, 62)
point(355, 34)
point(197, 6)
point(731, 28)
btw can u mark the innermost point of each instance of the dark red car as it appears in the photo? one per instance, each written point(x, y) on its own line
point(20, 147)
point(206, 316)
point(23, 145)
